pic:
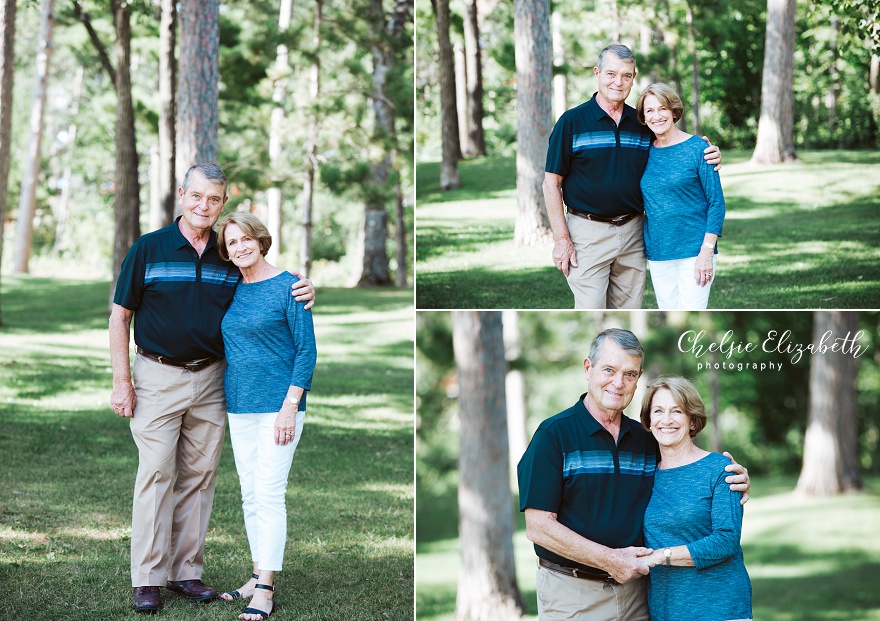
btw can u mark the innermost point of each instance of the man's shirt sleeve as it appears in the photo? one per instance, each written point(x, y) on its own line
point(559, 149)
point(540, 474)
point(129, 287)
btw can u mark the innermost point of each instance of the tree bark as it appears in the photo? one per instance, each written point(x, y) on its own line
point(515, 391)
point(695, 68)
point(560, 81)
point(451, 151)
point(874, 74)
point(476, 142)
point(168, 182)
point(305, 253)
point(274, 197)
point(461, 97)
point(400, 236)
point(831, 440)
point(533, 118)
point(7, 69)
point(487, 588)
point(27, 200)
point(127, 193)
point(198, 83)
point(775, 143)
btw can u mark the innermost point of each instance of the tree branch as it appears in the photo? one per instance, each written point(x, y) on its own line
point(102, 51)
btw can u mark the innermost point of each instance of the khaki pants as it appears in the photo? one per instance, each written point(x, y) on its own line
point(178, 426)
point(562, 597)
point(611, 263)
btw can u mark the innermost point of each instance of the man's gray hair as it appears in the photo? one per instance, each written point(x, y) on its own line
point(621, 51)
point(211, 172)
point(624, 339)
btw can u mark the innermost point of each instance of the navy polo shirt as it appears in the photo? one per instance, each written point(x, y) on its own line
point(601, 162)
point(178, 298)
point(599, 490)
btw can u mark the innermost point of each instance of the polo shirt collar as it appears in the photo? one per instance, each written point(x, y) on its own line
point(628, 111)
point(182, 242)
point(593, 425)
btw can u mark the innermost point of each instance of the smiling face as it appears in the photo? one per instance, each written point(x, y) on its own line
point(615, 79)
point(658, 117)
point(201, 202)
point(243, 250)
point(613, 378)
point(670, 424)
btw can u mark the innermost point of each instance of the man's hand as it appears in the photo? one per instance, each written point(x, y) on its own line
point(123, 398)
point(712, 155)
point(303, 290)
point(564, 255)
point(627, 564)
point(740, 481)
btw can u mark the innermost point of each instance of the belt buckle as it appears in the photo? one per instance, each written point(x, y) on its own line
point(194, 365)
point(619, 220)
point(574, 572)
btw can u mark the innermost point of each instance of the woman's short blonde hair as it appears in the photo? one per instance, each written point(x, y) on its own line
point(685, 394)
point(667, 97)
point(250, 225)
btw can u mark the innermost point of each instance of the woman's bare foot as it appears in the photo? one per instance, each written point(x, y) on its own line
point(262, 600)
point(245, 591)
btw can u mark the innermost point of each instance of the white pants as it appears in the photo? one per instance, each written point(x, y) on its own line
point(263, 467)
point(675, 285)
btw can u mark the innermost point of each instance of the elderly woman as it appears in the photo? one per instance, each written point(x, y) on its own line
point(684, 205)
point(693, 521)
point(270, 349)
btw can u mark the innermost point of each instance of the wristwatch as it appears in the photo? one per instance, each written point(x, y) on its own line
point(667, 557)
point(295, 402)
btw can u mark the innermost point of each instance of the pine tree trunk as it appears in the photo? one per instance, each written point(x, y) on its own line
point(874, 74)
point(560, 81)
point(305, 253)
point(400, 236)
point(168, 181)
point(27, 200)
point(198, 84)
point(695, 69)
point(533, 118)
point(775, 143)
point(487, 588)
point(476, 142)
point(451, 151)
point(127, 194)
point(7, 68)
point(461, 98)
point(831, 440)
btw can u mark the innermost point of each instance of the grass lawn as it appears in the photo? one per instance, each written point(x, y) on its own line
point(800, 236)
point(67, 467)
point(808, 559)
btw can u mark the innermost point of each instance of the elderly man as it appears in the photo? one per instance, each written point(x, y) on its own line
point(177, 288)
point(597, 154)
point(584, 483)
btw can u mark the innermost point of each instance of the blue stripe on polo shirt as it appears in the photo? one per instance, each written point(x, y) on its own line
point(637, 464)
point(170, 272)
point(593, 140)
point(635, 141)
point(588, 462)
point(219, 275)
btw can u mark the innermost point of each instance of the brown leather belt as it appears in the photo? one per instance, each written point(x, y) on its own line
point(615, 220)
point(192, 365)
point(594, 574)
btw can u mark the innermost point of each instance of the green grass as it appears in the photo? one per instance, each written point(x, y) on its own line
point(800, 236)
point(808, 559)
point(67, 467)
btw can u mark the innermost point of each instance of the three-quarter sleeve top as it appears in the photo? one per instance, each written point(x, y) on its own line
point(270, 345)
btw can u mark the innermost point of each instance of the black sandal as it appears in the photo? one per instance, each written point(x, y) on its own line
point(256, 611)
point(235, 594)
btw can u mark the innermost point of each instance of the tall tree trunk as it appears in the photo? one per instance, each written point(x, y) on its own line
point(305, 253)
point(400, 236)
point(451, 151)
point(274, 198)
point(487, 589)
point(533, 118)
point(373, 268)
point(775, 143)
point(695, 68)
point(874, 74)
point(833, 93)
point(63, 212)
point(156, 219)
point(515, 391)
point(127, 194)
point(831, 440)
point(461, 98)
point(476, 142)
point(28, 199)
point(7, 68)
point(560, 80)
point(198, 83)
point(167, 112)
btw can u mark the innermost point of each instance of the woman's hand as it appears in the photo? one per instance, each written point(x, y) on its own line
point(285, 425)
point(703, 268)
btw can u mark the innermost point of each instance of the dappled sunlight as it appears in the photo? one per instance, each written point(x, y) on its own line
point(95, 534)
point(399, 491)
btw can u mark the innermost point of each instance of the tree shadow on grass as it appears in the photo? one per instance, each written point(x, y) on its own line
point(478, 287)
point(339, 301)
point(437, 241)
point(54, 305)
point(481, 178)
